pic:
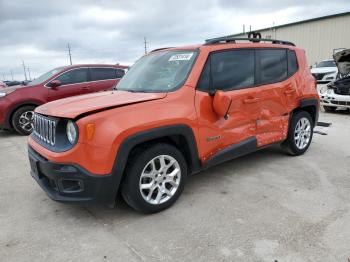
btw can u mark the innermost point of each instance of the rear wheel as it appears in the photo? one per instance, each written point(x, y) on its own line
point(329, 109)
point(22, 120)
point(154, 178)
point(299, 134)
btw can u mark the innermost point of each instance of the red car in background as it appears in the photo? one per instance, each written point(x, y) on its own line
point(17, 103)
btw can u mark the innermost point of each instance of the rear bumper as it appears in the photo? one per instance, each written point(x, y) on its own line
point(70, 183)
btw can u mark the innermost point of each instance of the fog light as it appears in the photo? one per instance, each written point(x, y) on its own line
point(71, 186)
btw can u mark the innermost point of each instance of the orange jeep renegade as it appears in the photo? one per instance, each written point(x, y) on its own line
point(176, 112)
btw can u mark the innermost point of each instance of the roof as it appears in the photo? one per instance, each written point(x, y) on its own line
point(299, 22)
point(96, 65)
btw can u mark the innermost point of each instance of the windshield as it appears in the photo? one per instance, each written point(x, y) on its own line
point(329, 63)
point(45, 76)
point(158, 72)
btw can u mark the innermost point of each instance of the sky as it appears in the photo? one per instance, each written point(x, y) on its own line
point(112, 31)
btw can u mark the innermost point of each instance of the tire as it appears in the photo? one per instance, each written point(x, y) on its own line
point(329, 109)
point(22, 120)
point(144, 169)
point(296, 144)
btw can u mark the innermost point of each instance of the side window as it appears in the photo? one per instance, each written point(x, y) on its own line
point(74, 76)
point(292, 63)
point(231, 70)
point(204, 80)
point(120, 73)
point(273, 65)
point(103, 73)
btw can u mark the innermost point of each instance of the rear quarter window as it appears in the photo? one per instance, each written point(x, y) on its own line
point(292, 63)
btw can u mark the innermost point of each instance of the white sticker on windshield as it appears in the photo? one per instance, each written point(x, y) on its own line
point(181, 57)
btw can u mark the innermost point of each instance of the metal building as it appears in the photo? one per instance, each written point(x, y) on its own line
point(318, 36)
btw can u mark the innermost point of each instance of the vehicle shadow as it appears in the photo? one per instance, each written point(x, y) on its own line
point(8, 133)
point(338, 112)
point(122, 213)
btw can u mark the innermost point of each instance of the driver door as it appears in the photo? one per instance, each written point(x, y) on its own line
point(233, 72)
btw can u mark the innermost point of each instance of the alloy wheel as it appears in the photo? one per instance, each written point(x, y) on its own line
point(160, 179)
point(302, 133)
point(26, 121)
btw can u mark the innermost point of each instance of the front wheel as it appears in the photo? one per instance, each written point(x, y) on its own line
point(300, 134)
point(154, 178)
point(22, 120)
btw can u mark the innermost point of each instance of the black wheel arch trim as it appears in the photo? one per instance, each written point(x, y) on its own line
point(307, 102)
point(156, 133)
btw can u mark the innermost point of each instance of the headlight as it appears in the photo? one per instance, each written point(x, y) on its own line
point(72, 132)
point(323, 89)
point(7, 92)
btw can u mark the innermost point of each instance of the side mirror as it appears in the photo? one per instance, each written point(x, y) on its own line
point(222, 103)
point(54, 84)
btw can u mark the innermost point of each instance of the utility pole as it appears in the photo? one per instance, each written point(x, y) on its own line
point(11, 75)
point(70, 55)
point(24, 69)
point(29, 74)
point(145, 43)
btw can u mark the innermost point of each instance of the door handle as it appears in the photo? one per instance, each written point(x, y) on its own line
point(289, 91)
point(85, 88)
point(251, 100)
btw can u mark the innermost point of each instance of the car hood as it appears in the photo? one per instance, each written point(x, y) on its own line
point(73, 107)
point(323, 70)
point(342, 60)
point(7, 89)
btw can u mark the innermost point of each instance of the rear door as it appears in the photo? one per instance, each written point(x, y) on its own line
point(233, 72)
point(73, 82)
point(104, 78)
point(276, 93)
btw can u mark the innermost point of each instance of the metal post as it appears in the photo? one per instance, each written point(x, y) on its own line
point(145, 43)
point(70, 55)
point(24, 69)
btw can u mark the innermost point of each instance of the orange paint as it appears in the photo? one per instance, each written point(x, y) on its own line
point(261, 111)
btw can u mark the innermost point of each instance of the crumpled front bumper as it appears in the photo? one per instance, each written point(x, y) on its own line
point(329, 98)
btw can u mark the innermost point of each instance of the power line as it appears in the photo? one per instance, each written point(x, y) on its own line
point(70, 55)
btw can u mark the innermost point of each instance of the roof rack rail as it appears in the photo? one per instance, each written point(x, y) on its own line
point(255, 39)
point(159, 49)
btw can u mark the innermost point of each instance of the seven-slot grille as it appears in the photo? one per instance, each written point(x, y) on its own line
point(44, 129)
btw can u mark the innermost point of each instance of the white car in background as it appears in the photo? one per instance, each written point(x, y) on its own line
point(337, 93)
point(325, 71)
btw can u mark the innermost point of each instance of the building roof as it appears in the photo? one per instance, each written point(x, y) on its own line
point(299, 22)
